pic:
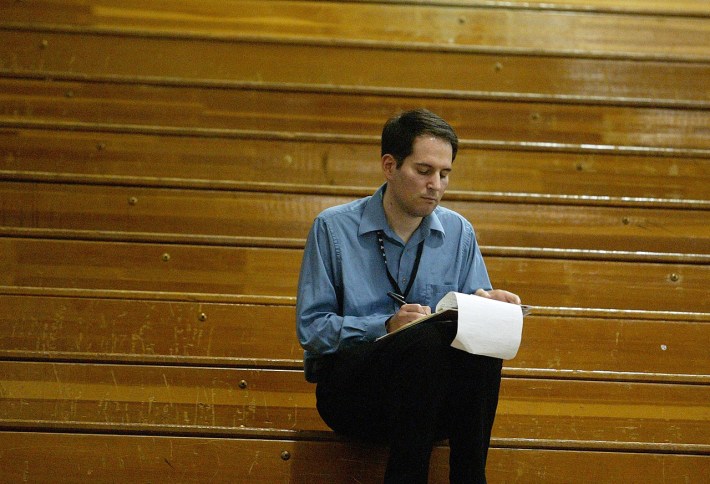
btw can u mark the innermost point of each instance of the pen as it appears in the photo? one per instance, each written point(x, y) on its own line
point(399, 299)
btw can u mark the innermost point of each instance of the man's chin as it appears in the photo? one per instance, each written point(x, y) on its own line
point(427, 209)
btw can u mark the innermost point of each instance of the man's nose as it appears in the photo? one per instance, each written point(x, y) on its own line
point(434, 182)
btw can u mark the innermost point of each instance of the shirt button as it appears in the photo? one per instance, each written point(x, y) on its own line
point(404, 279)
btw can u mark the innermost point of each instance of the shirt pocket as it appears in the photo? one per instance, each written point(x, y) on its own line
point(436, 291)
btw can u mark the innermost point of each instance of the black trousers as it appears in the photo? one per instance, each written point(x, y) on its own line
point(409, 391)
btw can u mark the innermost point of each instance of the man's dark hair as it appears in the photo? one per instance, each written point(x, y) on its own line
point(400, 131)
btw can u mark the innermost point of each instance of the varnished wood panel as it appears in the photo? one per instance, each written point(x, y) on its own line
point(265, 164)
point(623, 346)
point(406, 71)
point(142, 398)
point(573, 467)
point(679, 7)
point(164, 213)
point(144, 330)
point(141, 106)
point(603, 411)
point(149, 267)
point(610, 97)
point(151, 398)
point(654, 349)
point(590, 284)
point(52, 458)
point(61, 457)
point(264, 271)
point(425, 25)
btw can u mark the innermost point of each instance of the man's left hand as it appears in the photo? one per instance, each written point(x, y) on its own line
point(499, 295)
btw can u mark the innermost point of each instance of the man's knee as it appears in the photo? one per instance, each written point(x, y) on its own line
point(423, 357)
point(428, 339)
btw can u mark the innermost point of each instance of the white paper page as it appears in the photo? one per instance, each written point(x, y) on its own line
point(449, 301)
point(488, 327)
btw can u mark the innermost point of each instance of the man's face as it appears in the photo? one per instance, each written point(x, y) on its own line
point(418, 185)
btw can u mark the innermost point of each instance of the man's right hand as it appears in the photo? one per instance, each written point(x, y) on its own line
point(407, 313)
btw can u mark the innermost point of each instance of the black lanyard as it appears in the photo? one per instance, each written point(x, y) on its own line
point(412, 276)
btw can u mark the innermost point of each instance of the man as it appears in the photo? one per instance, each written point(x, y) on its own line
point(412, 389)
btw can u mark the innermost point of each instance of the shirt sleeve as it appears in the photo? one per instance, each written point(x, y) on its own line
point(322, 327)
point(476, 275)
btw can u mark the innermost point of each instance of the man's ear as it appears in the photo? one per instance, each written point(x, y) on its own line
point(389, 165)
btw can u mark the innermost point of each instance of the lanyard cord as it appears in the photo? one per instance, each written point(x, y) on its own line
point(415, 269)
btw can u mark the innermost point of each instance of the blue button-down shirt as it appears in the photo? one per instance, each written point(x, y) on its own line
point(343, 284)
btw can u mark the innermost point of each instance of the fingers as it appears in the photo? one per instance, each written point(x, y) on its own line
point(516, 299)
point(408, 313)
point(499, 295)
point(504, 296)
point(414, 311)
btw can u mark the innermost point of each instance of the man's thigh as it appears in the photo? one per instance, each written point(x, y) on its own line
point(360, 386)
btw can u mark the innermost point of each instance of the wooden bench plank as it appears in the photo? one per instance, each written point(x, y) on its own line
point(655, 7)
point(315, 112)
point(135, 160)
point(144, 330)
point(604, 285)
point(151, 398)
point(81, 55)
point(548, 409)
point(565, 467)
point(169, 459)
point(421, 24)
point(636, 347)
point(652, 349)
point(61, 457)
point(148, 398)
point(274, 272)
point(679, 7)
point(168, 212)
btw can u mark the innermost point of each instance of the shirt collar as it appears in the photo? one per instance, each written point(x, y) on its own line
point(374, 219)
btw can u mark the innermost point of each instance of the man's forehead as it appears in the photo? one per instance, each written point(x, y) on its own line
point(432, 151)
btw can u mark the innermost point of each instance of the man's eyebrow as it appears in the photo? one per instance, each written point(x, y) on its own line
point(424, 164)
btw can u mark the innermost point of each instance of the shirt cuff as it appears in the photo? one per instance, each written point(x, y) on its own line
point(376, 328)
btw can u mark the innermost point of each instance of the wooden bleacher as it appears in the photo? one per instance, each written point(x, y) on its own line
point(161, 163)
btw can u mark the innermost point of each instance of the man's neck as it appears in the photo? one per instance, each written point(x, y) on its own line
point(403, 225)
